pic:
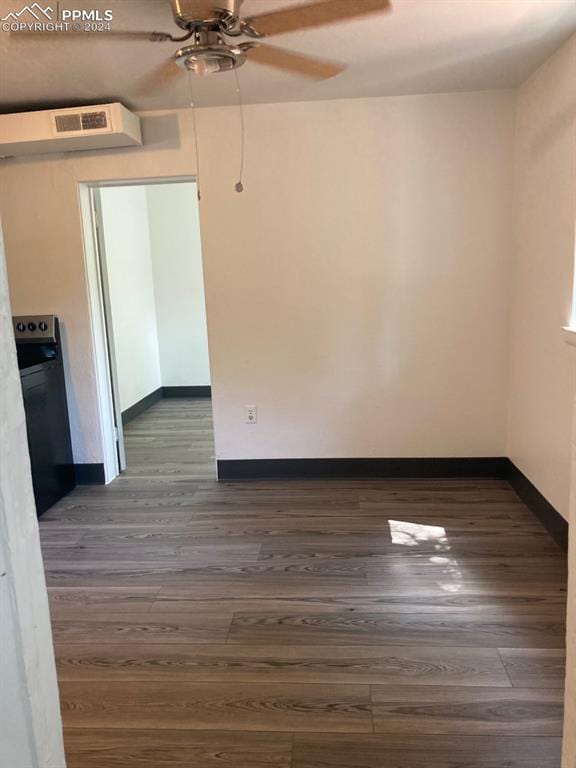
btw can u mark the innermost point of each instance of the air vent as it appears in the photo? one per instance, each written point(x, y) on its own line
point(81, 121)
point(92, 121)
point(67, 122)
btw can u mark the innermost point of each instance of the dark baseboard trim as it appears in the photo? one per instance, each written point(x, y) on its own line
point(550, 518)
point(142, 405)
point(498, 466)
point(200, 391)
point(278, 469)
point(89, 474)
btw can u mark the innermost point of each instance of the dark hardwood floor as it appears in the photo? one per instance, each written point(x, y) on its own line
point(345, 624)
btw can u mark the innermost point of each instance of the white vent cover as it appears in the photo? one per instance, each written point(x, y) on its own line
point(99, 126)
point(78, 122)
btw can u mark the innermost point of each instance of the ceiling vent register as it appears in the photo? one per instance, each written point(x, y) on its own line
point(80, 121)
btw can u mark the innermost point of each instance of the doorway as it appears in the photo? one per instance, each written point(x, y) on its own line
point(147, 290)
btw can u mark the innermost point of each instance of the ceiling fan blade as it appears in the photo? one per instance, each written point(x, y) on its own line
point(293, 62)
point(155, 37)
point(313, 15)
point(160, 77)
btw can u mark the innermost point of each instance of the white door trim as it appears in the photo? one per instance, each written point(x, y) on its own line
point(108, 326)
point(107, 427)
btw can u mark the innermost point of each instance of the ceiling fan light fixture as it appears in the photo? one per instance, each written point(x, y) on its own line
point(205, 60)
point(204, 65)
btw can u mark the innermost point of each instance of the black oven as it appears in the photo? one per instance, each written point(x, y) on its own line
point(39, 349)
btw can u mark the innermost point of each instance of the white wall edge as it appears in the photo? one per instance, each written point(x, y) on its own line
point(106, 423)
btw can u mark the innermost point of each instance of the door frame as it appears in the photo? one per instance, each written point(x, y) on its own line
point(96, 204)
point(107, 389)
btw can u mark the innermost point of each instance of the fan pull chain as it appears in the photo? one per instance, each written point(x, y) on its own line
point(239, 185)
point(193, 106)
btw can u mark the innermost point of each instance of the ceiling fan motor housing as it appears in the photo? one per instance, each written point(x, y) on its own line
point(192, 13)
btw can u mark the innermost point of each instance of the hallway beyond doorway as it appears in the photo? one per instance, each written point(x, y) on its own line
point(174, 438)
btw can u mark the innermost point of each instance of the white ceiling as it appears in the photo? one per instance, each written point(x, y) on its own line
point(422, 46)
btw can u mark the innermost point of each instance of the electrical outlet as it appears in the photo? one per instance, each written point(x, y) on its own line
point(251, 413)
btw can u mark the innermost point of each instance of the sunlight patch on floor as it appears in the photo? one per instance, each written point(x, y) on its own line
point(414, 534)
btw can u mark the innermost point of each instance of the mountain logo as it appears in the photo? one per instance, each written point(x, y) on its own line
point(35, 10)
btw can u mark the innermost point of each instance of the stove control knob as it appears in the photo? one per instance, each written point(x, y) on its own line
point(32, 327)
point(20, 327)
point(43, 326)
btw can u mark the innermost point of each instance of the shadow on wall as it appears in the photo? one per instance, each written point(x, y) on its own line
point(560, 125)
point(161, 131)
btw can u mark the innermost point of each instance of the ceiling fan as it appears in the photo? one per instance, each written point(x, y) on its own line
point(212, 26)
point(209, 22)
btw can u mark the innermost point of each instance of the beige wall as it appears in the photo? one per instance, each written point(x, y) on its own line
point(178, 284)
point(541, 374)
point(357, 290)
point(131, 292)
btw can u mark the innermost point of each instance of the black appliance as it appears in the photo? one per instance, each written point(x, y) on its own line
point(41, 366)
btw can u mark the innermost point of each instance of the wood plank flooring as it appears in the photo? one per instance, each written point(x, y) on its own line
point(346, 624)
